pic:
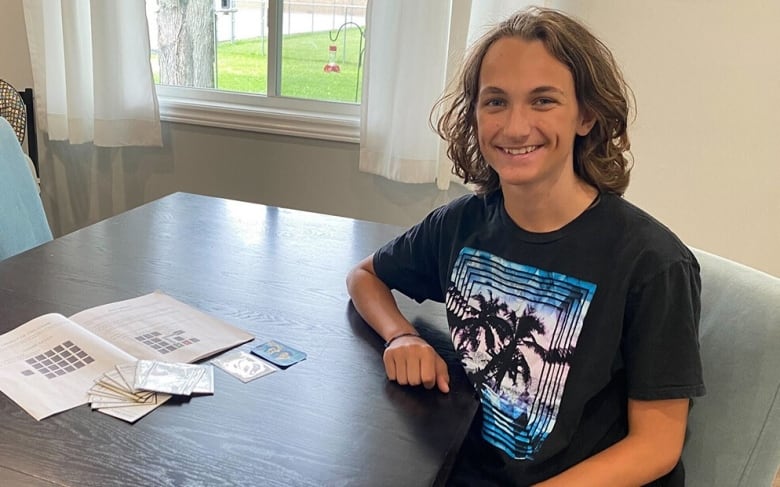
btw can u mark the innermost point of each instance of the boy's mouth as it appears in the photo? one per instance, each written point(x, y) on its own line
point(520, 150)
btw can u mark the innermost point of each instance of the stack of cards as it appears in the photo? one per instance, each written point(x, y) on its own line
point(130, 391)
point(114, 394)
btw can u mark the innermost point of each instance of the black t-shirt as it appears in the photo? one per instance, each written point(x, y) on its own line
point(555, 330)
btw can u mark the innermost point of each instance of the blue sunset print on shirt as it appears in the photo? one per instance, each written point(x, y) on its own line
point(515, 328)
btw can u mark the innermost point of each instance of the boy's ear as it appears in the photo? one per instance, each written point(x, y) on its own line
point(586, 122)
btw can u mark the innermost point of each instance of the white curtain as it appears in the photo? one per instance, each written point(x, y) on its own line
point(413, 48)
point(91, 71)
point(404, 75)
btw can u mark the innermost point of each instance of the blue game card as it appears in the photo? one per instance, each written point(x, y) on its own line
point(278, 353)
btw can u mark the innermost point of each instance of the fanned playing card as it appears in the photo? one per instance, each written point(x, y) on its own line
point(112, 394)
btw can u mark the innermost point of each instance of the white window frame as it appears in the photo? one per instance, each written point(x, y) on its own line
point(271, 113)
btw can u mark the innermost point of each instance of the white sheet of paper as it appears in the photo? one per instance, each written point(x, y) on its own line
point(29, 387)
point(189, 334)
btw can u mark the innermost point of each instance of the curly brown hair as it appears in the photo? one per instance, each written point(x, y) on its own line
point(600, 158)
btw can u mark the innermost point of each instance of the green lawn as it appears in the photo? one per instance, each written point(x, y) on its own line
point(241, 66)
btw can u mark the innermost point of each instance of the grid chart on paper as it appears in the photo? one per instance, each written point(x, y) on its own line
point(58, 361)
point(166, 343)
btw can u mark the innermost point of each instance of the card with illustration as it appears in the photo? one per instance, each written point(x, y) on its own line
point(243, 366)
point(278, 353)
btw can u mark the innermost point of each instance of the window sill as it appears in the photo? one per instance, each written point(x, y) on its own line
point(296, 118)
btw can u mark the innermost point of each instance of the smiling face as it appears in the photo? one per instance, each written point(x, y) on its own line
point(528, 116)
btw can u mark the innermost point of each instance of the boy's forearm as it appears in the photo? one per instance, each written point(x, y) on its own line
point(375, 303)
point(626, 463)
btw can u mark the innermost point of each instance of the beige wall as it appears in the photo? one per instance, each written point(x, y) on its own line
point(708, 90)
point(706, 77)
point(14, 58)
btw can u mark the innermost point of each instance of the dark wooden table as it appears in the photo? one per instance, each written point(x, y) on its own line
point(332, 419)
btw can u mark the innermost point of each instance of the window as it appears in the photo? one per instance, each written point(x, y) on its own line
point(291, 67)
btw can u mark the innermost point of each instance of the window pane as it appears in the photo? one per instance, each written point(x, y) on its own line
point(322, 49)
point(242, 45)
point(215, 44)
point(223, 45)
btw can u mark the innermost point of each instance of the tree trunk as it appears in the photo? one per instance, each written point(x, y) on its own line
point(186, 38)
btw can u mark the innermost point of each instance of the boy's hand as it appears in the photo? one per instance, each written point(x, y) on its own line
point(412, 361)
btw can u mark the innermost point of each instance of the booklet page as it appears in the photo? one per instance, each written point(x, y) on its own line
point(48, 364)
point(158, 327)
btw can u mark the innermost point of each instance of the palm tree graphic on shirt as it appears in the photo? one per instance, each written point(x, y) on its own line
point(506, 334)
point(515, 328)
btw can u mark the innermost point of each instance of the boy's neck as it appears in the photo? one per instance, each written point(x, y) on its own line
point(542, 210)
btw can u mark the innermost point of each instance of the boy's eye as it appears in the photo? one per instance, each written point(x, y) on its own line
point(494, 102)
point(543, 102)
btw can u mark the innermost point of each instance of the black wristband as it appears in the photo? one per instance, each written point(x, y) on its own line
point(409, 334)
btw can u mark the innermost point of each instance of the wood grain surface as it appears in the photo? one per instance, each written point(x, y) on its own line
point(332, 419)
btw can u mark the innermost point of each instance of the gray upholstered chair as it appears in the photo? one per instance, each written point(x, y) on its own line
point(23, 222)
point(734, 431)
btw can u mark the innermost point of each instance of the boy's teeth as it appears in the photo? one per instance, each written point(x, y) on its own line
point(522, 150)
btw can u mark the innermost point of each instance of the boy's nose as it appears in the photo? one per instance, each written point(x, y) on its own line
point(518, 122)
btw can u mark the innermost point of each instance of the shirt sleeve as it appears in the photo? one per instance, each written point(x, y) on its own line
point(410, 262)
point(661, 344)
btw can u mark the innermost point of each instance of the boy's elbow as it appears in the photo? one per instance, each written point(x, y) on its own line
point(672, 458)
point(354, 275)
point(665, 457)
point(350, 280)
point(668, 463)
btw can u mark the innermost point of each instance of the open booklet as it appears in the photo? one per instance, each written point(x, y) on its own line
point(48, 364)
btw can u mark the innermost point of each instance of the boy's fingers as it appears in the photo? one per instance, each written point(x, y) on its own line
point(389, 367)
point(428, 371)
point(412, 370)
point(416, 365)
point(442, 375)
